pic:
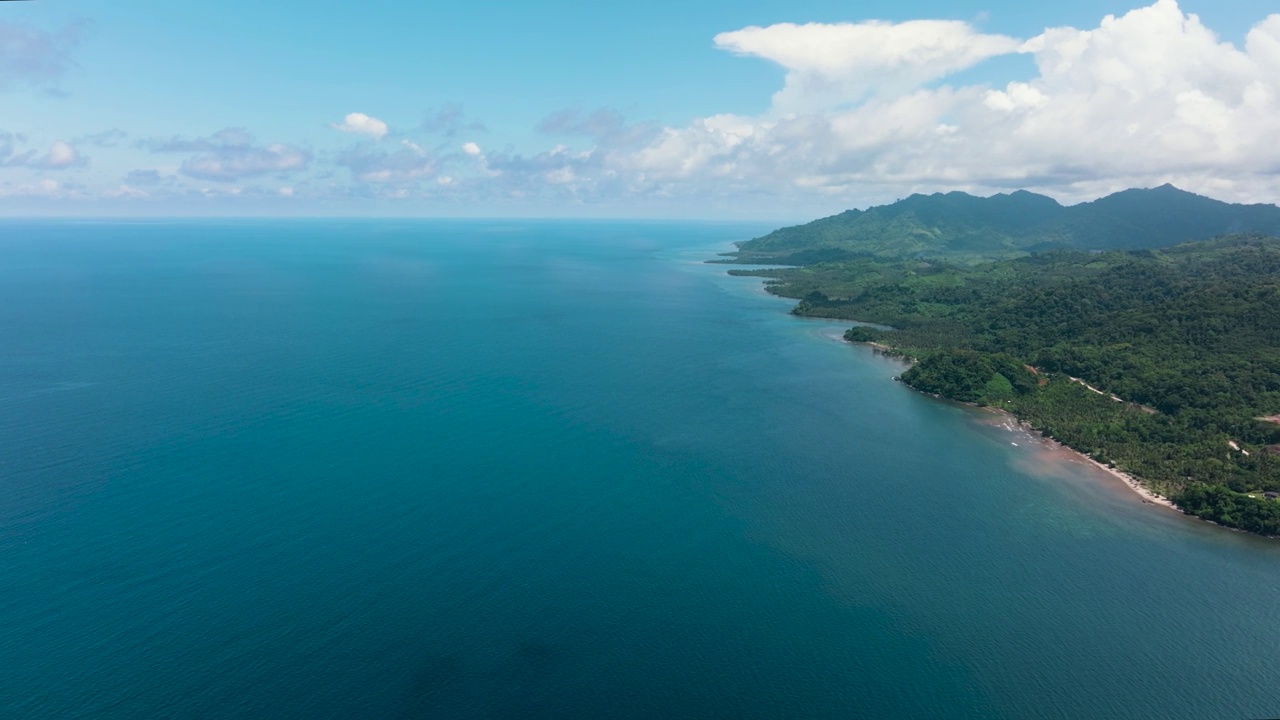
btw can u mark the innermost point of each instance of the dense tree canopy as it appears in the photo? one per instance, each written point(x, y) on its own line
point(1159, 362)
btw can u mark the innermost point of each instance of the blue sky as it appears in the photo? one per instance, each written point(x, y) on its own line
point(657, 109)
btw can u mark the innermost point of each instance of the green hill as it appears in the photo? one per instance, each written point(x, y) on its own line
point(960, 225)
point(1162, 363)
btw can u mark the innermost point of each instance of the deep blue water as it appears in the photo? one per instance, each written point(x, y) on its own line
point(537, 469)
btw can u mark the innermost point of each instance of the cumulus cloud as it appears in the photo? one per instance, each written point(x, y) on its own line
point(362, 124)
point(230, 155)
point(1154, 88)
point(61, 156)
point(829, 65)
point(602, 172)
point(1144, 98)
point(558, 174)
point(35, 57)
point(867, 112)
point(239, 163)
point(408, 163)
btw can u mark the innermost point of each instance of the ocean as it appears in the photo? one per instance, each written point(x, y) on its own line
point(510, 469)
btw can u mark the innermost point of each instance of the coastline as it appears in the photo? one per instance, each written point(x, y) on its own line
point(876, 348)
point(887, 351)
point(1146, 494)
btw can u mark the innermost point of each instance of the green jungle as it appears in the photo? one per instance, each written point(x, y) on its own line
point(1108, 326)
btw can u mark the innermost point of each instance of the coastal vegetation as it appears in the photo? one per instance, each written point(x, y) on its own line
point(1159, 362)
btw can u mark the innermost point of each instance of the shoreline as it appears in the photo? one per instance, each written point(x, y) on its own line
point(1147, 495)
point(1144, 493)
point(887, 351)
point(884, 351)
point(1135, 486)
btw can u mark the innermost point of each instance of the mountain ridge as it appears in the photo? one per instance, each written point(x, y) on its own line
point(958, 224)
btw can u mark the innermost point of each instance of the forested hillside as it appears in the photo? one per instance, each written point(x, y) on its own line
point(1159, 362)
point(969, 228)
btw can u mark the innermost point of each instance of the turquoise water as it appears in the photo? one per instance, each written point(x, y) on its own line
point(538, 469)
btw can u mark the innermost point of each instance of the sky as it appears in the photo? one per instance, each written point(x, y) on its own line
point(721, 109)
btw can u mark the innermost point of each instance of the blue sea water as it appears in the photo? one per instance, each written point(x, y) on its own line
point(349, 469)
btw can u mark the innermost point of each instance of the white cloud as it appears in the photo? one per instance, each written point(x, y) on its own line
point(867, 112)
point(561, 176)
point(408, 164)
point(1018, 96)
point(1144, 98)
point(362, 124)
point(61, 156)
point(234, 164)
point(230, 155)
point(830, 65)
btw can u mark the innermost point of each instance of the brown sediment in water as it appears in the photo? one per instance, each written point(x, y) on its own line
point(1048, 444)
point(1059, 451)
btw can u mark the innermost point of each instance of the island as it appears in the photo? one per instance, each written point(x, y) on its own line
point(1141, 330)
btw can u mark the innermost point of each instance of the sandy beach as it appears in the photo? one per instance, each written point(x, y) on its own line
point(877, 348)
point(1009, 422)
point(1012, 423)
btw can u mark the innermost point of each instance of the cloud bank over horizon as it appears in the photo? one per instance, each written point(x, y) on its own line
point(867, 112)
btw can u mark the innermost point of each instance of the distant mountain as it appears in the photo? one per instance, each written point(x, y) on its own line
point(957, 223)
